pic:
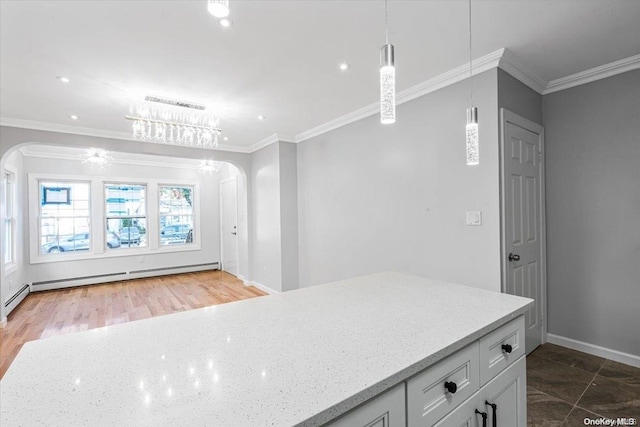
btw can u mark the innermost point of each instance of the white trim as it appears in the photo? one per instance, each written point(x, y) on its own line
point(508, 116)
point(226, 181)
point(593, 74)
point(3, 322)
point(20, 296)
point(516, 69)
point(270, 140)
point(70, 283)
point(262, 287)
point(596, 350)
point(455, 75)
point(99, 133)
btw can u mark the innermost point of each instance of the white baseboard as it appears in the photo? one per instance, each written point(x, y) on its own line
point(16, 299)
point(262, 287)
point(3, 322)
point(596, 350)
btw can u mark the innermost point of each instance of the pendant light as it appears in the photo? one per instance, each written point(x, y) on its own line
point(387, 77)
point(473, 145)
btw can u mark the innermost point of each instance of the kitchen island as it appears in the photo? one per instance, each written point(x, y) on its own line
point(304, 357)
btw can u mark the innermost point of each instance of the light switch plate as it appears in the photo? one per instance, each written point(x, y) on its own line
point(474, 218)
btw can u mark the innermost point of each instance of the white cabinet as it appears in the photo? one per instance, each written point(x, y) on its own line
point(437, 390)
point(508, 391)
point(500, 348)
point(386, 410)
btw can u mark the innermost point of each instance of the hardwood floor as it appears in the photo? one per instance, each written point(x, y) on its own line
point(45, 314)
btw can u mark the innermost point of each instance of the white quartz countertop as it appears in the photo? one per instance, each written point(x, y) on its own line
point(297, 358)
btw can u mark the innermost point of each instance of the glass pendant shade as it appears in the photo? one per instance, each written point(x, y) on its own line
point(387, 85)
point(473, 144)
point(218, 8)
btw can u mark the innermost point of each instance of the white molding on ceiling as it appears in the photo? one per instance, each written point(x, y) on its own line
point(516, 69)
point(100, 133)
point(593, 74)
point(270, 140)
point(455, 75)
point(38, 152)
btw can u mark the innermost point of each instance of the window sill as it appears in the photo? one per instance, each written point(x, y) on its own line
point(113, 253)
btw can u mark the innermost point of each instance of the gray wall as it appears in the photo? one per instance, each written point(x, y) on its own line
point(519, 98)
point(373, 198)
point(265, 240)
point(593, 211)
point(289, 215)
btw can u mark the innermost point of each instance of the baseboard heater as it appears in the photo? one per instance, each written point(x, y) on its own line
point(124, 275)
point(16, 299)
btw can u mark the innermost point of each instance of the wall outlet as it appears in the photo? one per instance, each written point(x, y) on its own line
point(141, 259)
point(474, 218)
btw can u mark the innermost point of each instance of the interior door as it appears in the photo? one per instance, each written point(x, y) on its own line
point(229, 225)
point(523, 248)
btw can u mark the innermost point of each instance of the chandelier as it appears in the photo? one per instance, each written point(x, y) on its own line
point(171, 126)
point(209, 167)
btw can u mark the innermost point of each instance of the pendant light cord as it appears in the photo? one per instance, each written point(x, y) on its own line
point(470, 57)
point(386, 23)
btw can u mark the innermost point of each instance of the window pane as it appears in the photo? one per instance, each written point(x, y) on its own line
point(64, 217)
point(126, 225)
point(176, 215)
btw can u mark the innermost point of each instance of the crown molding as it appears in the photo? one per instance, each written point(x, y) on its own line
point(515, 68)
point(455, 75)
point(99, 133)
point(270, 140)
point(593, 74)
point(33, 151)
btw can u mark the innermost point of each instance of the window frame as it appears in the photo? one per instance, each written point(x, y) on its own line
point(194, 206)
point(9, 175)
point(97, 203)
point(129, 249)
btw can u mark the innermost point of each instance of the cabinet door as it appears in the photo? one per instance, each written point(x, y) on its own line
point(508, 391)
point(386, 410)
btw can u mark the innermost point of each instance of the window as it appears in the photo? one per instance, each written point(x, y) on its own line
point(9, 223)
point(176, 215)
point(65, 217)
point(126, 215)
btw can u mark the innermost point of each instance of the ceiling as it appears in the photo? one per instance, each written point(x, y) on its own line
point(279, 59)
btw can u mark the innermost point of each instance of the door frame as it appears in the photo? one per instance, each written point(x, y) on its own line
point(224, 181)
point(507, 116)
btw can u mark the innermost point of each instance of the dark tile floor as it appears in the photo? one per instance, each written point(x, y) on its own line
point(566, 386)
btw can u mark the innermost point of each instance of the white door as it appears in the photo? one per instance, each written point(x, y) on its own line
point(229, 225)
point(523, 229)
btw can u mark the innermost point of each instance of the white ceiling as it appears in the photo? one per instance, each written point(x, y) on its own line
point(279, 58)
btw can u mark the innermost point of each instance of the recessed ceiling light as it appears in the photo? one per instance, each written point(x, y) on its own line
point(261, 117)
point(225, 22)
point(73, 117)
point(63, 79)
point(344, 66)
point(226, 138)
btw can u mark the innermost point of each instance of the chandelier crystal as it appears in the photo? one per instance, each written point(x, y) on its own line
point(218, 8)
point(165, 126)
point(209, 167)
point(96, 158)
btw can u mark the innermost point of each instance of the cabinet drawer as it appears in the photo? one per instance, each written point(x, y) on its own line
point(427, 398)
point(495, 347)
point(385, 410)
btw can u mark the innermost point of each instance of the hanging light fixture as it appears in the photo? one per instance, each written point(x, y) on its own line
point(387, 77)
point(218, 8)
point(473, 144)
point(96, 157)
point(209, 167)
